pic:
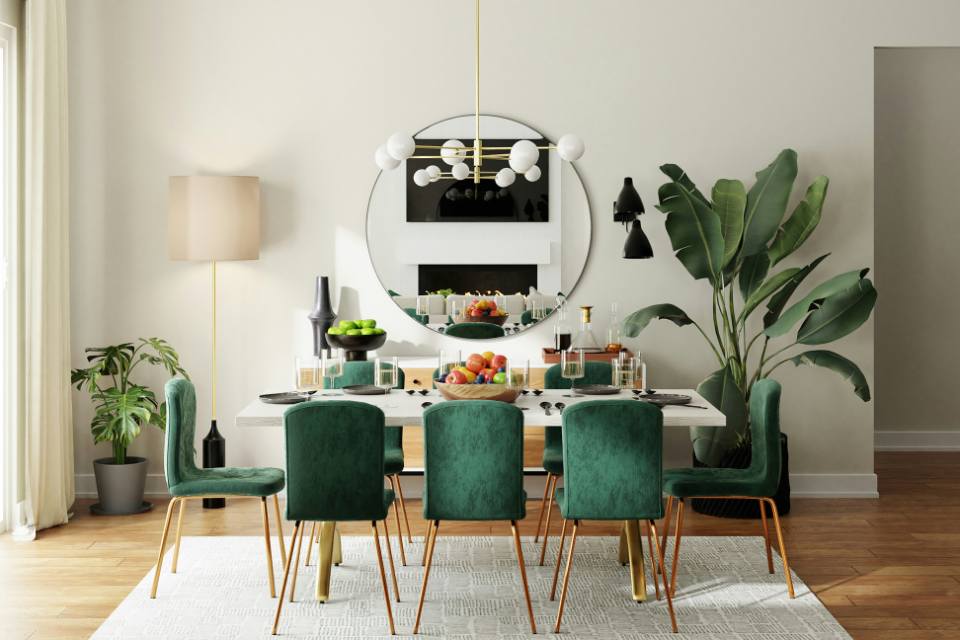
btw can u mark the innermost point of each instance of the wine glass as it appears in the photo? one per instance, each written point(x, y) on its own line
point(571, 368)
point(385, 373)
point(306, 373)
point(331, 368)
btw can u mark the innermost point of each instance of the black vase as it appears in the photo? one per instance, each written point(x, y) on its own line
point(214, 455)
point(323, 316)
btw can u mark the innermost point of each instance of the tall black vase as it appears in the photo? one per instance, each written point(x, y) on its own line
point(214, 455)
point(323, 316)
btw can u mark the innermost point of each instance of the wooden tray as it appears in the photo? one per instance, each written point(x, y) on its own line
point(552, 356)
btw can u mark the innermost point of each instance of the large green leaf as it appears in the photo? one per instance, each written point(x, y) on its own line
point(839, 315)
point(767, 202)
point(730, 202)
point(694, 230)
point(841, 365)
point(780, 298)
point(801, 222)
point(710, 443)
point(765, 290)
point(752, 273)
point(638, 320)
point(680, 176)
point(793, 314)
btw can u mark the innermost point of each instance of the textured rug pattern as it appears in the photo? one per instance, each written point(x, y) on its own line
point(220, 592)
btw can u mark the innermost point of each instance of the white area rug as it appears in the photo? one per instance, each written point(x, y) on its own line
point(724, 591)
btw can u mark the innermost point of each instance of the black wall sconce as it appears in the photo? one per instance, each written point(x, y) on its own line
point(627, 209)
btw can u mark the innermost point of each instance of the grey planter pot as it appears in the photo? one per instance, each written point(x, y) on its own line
point(120, 486)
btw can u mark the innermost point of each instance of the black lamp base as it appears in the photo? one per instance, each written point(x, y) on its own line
point(214, 456)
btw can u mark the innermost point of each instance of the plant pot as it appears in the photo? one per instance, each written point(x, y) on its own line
point(120, 486)
point(739, 458)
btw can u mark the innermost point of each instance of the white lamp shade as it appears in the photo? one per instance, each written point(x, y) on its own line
point(460, 171)
point(421, 178)
point(453, 152)
point(523, 155)
point(570, 147)
point(505, 178)
point(214, 218)
point(384, 160)
point(401, 145)
point(434, 172)
point(532, 174)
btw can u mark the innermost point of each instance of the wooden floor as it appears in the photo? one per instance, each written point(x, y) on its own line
point(887, 568)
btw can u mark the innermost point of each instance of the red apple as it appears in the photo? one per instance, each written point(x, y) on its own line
point(476, 363)
point(456, 377)
point(498, 362)
point(488, 374)
point(476, 313)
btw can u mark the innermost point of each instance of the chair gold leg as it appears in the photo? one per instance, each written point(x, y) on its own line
point(393, 570)
point(624, 554)
point(431, 543)
point(298, 540)
point(163, 544)
point(766, 535)
point(426, 542)
point(566, 576)
point(176, 544)
point(337, 548)
point(266, 540)
point(659, 556)
point(543, 505)
point(313, 535)
point(328, 531)
point(383, 575)
point(638, 576)
point(396, 512)
point(653, 562)
point(677, 534)
point(523, 574)
point(783, 548)
point(286, 575)
point(666, 528)
point(403, 507)
point(546, 528)
point(556, 568)
point(276, 512)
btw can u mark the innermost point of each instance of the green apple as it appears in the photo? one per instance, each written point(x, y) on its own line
point(346, 325)
point(367, 331)
point(377, 331)
point(354, 332)
point(367, 324)
point(335, 331)
point(499, 378)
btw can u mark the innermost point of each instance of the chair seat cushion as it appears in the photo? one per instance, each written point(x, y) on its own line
point(601, 513)
point(704, 481)
point(392, 460)
point(231, 481)
point(553, 460)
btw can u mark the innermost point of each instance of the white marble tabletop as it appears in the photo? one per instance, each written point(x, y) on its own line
point(403, 409)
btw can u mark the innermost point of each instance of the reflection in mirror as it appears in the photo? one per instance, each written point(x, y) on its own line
point(478, 260)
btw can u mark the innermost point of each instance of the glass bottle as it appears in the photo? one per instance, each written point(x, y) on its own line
point(562, 334)
point(585, 341)
point(614, 342)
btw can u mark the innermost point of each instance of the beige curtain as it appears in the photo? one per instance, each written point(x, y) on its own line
point(46, 409)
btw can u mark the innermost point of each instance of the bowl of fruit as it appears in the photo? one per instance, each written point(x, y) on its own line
point(485, 311)
point(356, 337)
point(482, 377)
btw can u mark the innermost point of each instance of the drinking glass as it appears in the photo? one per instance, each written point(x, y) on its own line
point(331, 368)
point(518, 374)
point(447, 361)
point(423, 306)
point(385, 373)
point(623, 373)
point(306, 373)
point(571, 368)
point(501, 301)
point(456, 310)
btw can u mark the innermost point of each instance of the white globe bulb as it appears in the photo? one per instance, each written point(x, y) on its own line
point(461, 171)
point(453, 152)
point(505, 177)
point(434, 172)
point(523, 155)
point(421, 178)
point(384, 160)
point(401, 146)
point(532, 174)
point(570, 147)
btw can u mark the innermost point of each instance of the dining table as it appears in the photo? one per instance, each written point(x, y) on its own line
point(406, 409)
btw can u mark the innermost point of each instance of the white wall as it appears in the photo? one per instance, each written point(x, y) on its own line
point(918, 224)
point(300, 92)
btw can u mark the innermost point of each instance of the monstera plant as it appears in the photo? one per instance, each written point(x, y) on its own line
point(737, 240)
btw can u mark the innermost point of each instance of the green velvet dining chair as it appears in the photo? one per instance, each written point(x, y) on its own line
point(473, 470)
point(361, 372)
point(757, 482)
point(335, 470)
point(613, 462)
point(474, 330)
point(186, 482)
point(422, 319)
point(593, 373)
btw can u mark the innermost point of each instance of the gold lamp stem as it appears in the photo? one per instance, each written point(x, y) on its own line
point(477, 145)
point(213, 374)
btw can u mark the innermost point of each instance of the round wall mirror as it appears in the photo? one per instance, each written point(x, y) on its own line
point(479, 260)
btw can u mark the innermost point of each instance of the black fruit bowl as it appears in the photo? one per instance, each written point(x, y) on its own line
point(356, 347)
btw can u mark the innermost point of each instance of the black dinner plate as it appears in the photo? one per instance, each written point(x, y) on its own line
point(363, 390)
point(287, 397)
point(663, 399)
point(597, 390)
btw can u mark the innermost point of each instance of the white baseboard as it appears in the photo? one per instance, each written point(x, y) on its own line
point(802, 485)
point(916, 440)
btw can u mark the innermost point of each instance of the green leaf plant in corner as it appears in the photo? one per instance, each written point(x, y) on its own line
point(736, 241)
point(121, 406)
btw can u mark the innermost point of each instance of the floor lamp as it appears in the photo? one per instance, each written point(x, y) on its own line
point(214, 219)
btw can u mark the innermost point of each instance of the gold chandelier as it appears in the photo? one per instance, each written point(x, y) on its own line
point(521, 157)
